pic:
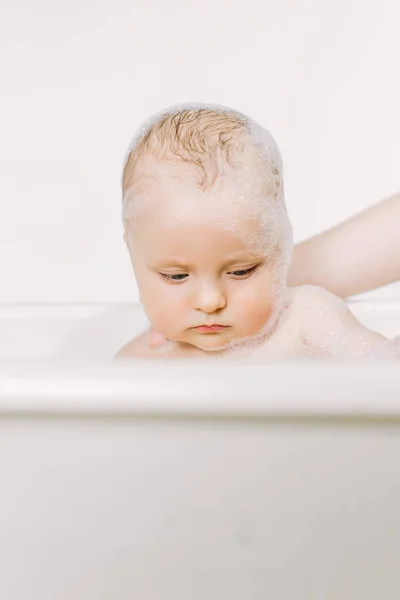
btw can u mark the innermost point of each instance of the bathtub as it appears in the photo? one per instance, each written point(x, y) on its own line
point(166, 480)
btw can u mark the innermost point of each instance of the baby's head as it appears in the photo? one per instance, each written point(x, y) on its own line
point(206, 225)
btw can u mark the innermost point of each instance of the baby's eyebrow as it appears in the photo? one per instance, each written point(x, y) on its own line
point(170, 264)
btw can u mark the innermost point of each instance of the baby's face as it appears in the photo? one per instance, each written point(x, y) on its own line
point(199, 265)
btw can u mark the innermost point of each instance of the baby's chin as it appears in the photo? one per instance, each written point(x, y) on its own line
point(210, 346)
point(218, 345)
point(238, 347)
point(215, 348)
point(245, 342)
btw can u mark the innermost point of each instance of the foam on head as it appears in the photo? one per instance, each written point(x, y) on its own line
point(214, 145)
point(234, 161)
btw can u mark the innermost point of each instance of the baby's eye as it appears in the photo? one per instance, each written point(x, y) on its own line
point(242, 272)
point(177, 277)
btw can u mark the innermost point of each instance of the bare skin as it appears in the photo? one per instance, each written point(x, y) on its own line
point(238, 275)
point(313, 323)
point(355, 256)
point(215, 258)
point(322, 260)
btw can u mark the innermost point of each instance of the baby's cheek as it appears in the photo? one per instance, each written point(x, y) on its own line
point(166, 314)
point(162, 317)
point(256, 303)
point(258, 315)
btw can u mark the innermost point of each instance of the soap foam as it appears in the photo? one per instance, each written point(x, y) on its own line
point(252, 186)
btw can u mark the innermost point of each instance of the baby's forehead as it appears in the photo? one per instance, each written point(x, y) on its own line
point(168, 190)
point(180, 226)
point(163, 181)
point(178, 204)
point(183, 236)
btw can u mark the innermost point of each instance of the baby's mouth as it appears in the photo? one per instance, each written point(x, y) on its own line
point(210, 328)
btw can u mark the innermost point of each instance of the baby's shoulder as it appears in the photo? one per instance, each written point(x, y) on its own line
point(313, 297)
point(137, 347)
point(318, 309)
point(330, 328)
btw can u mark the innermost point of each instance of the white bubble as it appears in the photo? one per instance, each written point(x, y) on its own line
point(240, 188)
point(387, 350)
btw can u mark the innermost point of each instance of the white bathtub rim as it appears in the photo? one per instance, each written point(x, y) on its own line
point(165, 388)
point(87, 310)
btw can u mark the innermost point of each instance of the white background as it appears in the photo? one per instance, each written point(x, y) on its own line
point(78, 77)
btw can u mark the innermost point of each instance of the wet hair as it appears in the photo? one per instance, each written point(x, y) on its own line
point(209, 138)
point(213, 141)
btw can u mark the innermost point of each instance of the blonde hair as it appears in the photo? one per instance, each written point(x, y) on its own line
point(197, 137)
point(214, 140)
point(203, 136)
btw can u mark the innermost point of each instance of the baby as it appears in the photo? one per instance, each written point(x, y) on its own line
point(210, 243)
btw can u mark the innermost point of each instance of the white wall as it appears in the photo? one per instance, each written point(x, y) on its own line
point(78, 77)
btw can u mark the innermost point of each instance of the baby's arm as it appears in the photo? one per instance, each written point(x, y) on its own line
point(136, 348)
point(147, 345)
point(358, 255)
point(330, 328)
point(153, 345)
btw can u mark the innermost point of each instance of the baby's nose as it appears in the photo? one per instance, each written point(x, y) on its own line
point(209, 298)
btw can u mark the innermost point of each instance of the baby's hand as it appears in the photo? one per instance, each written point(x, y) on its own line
point(167, 349)
point(157, 340)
